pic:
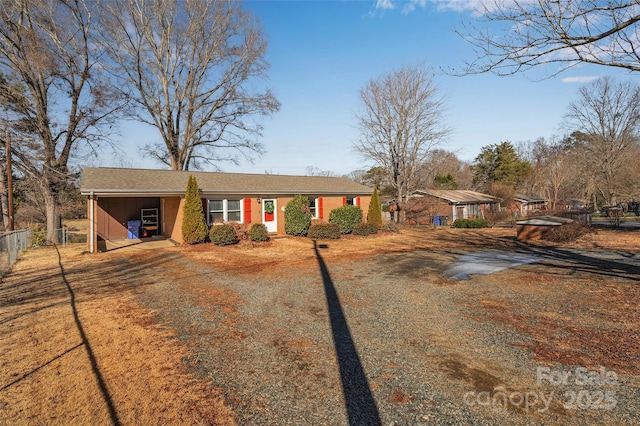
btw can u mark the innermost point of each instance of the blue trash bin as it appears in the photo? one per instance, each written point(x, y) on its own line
point(436, 221)
point(133, 226)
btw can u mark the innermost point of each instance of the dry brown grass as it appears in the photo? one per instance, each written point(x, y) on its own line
point(47, 372)
point(298, 252)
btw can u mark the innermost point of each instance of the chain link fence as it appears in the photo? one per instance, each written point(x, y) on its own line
point(11, 245)
point(15, 242)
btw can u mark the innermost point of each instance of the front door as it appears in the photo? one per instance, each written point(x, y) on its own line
point(269, 216)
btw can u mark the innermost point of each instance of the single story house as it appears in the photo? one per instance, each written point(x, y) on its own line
point(448, 205)
point(119, 197)
point(526, 204)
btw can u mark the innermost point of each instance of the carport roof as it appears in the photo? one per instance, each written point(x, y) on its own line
point(120, 181)
point(459, 196)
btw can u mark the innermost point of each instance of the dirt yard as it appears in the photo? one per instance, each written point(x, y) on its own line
point(354, 331)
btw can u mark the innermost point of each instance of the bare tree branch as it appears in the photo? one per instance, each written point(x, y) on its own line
point(400, 122)
point(605, 122)
point(191, 65)
point(516, 36)
point(52, 91)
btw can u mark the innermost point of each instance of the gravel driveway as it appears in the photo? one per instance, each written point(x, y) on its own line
point(390, 340)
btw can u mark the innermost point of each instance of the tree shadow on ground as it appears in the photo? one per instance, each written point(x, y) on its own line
point(360, 404)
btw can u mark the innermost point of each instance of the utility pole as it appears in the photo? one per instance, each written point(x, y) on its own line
point(9, 182)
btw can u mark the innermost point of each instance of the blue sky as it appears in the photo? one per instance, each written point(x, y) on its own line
point(323, 52)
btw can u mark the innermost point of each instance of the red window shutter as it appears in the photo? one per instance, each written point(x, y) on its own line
point(358, 201)
point(320, 209)
point(247, 210)
point(344, 201)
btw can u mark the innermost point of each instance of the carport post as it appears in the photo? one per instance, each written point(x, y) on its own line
point(91, 224)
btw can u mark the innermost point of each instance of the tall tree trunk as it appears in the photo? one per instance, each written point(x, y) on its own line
point(52, 209)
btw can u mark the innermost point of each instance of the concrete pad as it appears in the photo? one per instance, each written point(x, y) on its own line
point(138, 244)
point(486, 263)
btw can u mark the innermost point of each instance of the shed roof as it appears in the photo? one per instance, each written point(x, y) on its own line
point(545, 221)
point(120, 181)
point(528, 198)
point(460, 196)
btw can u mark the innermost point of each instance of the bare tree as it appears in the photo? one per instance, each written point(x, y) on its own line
point(605, 120)
point(444, 170)
point(52, 91)
point(192, 66)
point(400, 122)
point(316, 171)
point(561, 32)
point(553, 172)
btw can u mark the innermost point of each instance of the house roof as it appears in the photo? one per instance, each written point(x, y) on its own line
point(459, 196)
point(528, 198)
point(119, 181)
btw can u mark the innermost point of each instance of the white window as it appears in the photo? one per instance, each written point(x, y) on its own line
point(224, 211)
point(351, 201)
point(313, 207)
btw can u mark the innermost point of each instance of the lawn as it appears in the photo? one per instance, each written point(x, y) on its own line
point(349, 331)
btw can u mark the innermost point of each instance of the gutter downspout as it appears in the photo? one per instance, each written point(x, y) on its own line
point(91, 224)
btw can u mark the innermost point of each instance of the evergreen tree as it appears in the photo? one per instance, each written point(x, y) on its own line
point(499, 163)
point(194, 227)
point(374, 214)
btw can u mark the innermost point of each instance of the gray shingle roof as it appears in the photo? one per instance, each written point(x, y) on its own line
point(460, 196)
point(528, 198)
point(117, 181)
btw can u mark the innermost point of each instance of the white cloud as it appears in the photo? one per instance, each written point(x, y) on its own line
point(385, 4)
point(579, 79)
point(475, 6)
point(411, 6)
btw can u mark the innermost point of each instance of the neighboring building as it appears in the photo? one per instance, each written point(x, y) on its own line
point(534, 228)
point(448, 205)
point(119, 197)
point(527, 204)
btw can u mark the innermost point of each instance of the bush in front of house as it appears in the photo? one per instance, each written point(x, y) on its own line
point(346, 217)
point(365, 229)
point(258, 232)
point(223, 235)
point(374, 214)
point(297, 216)
point(194, 227)
point(470, 223)
point(324, 231)
point(241, 230)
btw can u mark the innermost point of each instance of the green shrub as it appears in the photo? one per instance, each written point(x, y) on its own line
point(346, 217)
point(324, 231)
point(258, 232)
point(223, 235)
point(470, 223)
point(194, 227)
point(374, 214)
point(38, 236)
point(297, 216)
point(365, 229)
